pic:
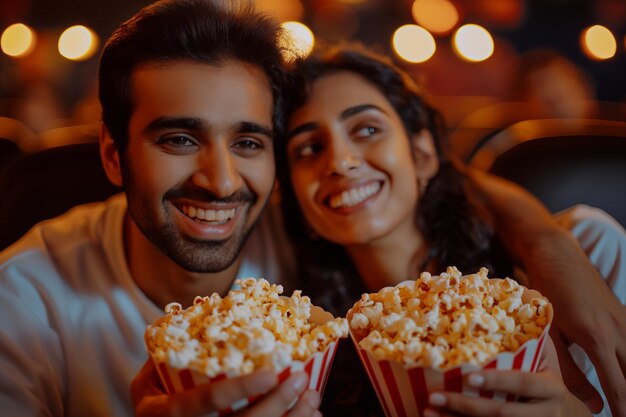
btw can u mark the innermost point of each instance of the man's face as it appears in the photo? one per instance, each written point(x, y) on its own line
point(199, 166)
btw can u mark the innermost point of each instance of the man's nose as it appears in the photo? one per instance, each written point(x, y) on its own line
point(217, 171)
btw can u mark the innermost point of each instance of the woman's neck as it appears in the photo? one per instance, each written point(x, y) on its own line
point(391, 259)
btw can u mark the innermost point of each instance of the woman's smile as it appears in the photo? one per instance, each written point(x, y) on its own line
point(354, 197)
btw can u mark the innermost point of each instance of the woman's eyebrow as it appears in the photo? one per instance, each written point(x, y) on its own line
point(306, 127)
point(347, 113)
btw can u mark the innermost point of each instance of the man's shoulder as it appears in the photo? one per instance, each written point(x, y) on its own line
point(582, 218)
point(83, 225)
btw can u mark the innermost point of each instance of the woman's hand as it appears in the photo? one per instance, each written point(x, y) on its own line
point(149, 398)
point(544, 393)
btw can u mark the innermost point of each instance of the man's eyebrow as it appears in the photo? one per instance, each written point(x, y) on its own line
point(347, 113)
point(198, 124)
point(187, 123)
point(252, 127)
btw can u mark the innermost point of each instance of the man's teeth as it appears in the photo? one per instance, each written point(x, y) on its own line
point(209, 215)
point(354, 196)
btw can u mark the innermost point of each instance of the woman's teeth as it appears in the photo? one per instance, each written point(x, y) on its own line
point(354, 196)
point(209, 215)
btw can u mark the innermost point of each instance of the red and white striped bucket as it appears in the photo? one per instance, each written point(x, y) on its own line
point(403, 392)
point(317, 366)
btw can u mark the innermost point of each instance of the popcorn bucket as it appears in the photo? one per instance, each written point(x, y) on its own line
point(403, 392)
point(317, 367)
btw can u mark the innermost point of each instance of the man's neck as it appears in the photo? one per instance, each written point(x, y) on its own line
point(162, 279)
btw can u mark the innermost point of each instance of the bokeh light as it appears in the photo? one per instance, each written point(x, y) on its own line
point(598, 43)
point(437, 16)
point(297, 40)
point(17, 40)
point(78, 43)
point(473, 43)
point(413, 43)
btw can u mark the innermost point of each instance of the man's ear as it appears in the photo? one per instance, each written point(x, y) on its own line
point(425, 155)
point(110, 156)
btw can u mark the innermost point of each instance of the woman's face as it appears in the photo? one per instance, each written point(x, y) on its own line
point(350, 161)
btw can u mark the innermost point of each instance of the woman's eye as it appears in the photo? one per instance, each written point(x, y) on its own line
point(307, 150)
point(365, 132)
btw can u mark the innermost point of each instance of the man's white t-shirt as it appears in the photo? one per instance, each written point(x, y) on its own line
point(72, 319)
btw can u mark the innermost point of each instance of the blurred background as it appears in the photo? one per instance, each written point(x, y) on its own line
point(475, 57)
point(531, 90)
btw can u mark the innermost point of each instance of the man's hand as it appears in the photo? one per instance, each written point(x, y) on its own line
point(586, 313)
point(586, 310)
point(600, 329)
point(149, 398)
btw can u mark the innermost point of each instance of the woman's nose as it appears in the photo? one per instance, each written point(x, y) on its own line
point(342, 160)
point(217, 172)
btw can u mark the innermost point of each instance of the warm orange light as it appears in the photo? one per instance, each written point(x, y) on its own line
point(78, 43)
point(281, 10)
point(598, 43)
point(413, 43)
point(297, 40)
point(473, 43)
point(17, 40)
point(438, 16)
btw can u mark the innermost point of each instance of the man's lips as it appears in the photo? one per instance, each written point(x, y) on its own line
point(209, 221)
point(207, 214)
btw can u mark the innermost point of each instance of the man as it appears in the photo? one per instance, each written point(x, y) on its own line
point(189, 91)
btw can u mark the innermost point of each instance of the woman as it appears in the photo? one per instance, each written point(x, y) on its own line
point(371, 199)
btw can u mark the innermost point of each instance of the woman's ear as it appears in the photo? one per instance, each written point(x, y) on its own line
point(425, 155)
point(110, 156)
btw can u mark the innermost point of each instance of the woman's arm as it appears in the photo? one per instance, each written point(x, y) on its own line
point(586, 310)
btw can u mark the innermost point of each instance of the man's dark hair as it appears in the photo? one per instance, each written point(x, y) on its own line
point(199, 30)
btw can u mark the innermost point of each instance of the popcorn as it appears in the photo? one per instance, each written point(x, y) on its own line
point(443, 321)
point(250, 328)
point(428, 335)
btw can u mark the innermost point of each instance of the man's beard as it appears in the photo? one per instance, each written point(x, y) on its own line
point(194, 255)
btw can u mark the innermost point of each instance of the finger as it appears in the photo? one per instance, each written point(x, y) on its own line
point(575, 380)
point(456, 404)
point(146, 383)
point(207, 398)
point(278, 401)
point(307, 405)
point(613, 382)
point(524, 384)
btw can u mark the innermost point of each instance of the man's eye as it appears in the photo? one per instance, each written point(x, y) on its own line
point(248, 144)
point(179, 141)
